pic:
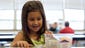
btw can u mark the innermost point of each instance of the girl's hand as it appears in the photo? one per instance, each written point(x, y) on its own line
point(48, 32)
point(23, 44)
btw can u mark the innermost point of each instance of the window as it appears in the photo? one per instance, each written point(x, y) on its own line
point(75, 17)
point(54, 15)
point(6, 19)
point(56, 11)
point(18, 18)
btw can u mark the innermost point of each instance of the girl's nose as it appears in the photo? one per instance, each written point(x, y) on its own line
point(36, 22)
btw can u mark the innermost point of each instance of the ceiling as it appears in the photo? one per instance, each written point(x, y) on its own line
point(48, 4)
point(68, 4)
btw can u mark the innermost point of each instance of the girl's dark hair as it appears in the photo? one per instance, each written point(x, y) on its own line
point(31, 6)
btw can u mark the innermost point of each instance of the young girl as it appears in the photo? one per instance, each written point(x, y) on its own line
point(33, 26)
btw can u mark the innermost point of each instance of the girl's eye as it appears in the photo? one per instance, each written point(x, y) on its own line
point(39, 19)
point(31, 19)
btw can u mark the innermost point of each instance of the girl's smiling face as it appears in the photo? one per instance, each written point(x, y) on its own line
point(34, 20)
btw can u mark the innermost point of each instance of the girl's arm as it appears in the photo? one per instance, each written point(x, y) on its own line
point(17, 38)
point(19, 41)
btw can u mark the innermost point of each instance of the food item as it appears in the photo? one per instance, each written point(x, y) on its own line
point(66, 39)
point(65, 42)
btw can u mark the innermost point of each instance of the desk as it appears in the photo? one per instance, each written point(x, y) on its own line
point(78, 47)
point(71, 47)
point(79, 37)
point(11, 37)
point(7, 38)
point(75, 37)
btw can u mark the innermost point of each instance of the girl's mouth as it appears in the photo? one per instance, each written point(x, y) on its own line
point(36, 27)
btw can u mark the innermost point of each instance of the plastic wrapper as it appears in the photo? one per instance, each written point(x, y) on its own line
point(58, 40)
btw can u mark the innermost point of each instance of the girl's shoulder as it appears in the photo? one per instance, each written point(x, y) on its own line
point(19, 36)
point(20, 33)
